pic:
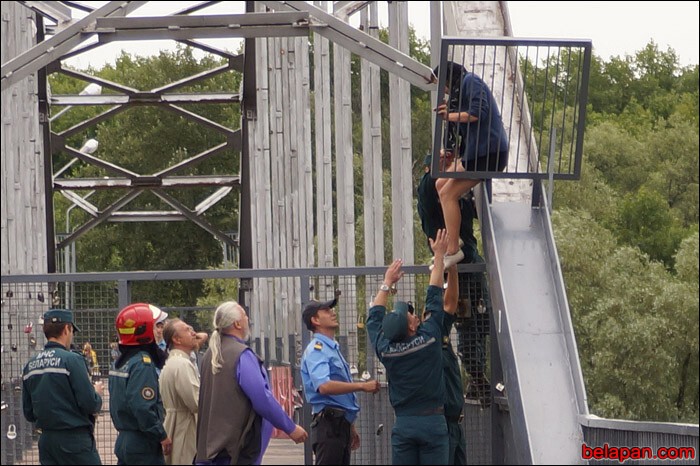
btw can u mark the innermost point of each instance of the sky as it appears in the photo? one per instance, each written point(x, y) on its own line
point(615, 28)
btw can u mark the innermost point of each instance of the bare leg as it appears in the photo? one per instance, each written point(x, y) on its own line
point(450, 190)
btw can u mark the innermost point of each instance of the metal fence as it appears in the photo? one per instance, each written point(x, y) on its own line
point(540, 90)
point(97, 298)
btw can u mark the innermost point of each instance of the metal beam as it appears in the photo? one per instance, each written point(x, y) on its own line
point(194, 217)
point(204, 155)
point(100, 218)
point(97, 80)
point(147, 216)
point(71, 184)
point(363, 44)
point(347, 9)
point(81, 202)
point(213, 32)
point(100, 163)
point(211, 200)
point(193, 79)
point(201, 120)
point(145, 98)
point(90, 122)
point(52, 49)
point(55, 11)
point(286, 18)
point(235, 60)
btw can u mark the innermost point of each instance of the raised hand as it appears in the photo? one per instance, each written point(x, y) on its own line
point(393, 272)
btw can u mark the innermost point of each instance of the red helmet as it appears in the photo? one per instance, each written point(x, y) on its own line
point(135, 324)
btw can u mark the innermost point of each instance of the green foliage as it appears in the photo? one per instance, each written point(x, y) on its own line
point(628, 242)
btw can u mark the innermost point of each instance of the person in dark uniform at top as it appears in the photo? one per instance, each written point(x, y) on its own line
point(135, 403)
point(58, 396)
point(472, 324)
point(430, 210)
point(411, 352)
point(329, 388)
point(454, 388)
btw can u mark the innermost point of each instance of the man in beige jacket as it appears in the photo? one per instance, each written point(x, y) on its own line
point(179, 387)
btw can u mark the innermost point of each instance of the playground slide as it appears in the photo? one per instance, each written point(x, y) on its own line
point(542, 380)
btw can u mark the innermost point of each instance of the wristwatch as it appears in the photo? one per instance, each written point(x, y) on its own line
point(384, 287)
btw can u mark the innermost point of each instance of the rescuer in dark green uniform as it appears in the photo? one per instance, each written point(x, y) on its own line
point(411, 352)
point(454, 388)
point(432, 219)
point(135, 403)
point(57, 394)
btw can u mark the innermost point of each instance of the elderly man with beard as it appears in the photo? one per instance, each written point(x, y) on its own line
point(236, 407)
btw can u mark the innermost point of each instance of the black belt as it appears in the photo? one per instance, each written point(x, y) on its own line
point(330, 413)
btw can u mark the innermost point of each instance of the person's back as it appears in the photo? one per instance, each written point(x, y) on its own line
point(136, 407)
point(411, 352)
point(409, 363)
point(57, 395)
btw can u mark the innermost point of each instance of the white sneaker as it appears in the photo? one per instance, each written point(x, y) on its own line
point(453, 259)
point(432, 259)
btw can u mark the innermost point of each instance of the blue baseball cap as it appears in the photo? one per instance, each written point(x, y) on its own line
point(59, 316)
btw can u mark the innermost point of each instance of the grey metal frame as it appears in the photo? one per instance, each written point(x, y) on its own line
point(510, 45)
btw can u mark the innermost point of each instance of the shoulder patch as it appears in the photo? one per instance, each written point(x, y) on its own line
point(148, 393)
point(146, 359)
point(318, 345)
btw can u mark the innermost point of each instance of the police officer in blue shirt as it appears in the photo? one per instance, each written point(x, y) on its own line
point(57, 394)
point(329, 388)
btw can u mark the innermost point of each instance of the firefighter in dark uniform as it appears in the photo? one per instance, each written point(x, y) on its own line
point(472, 325)
point(58, 396)
point(411, 352)
point(135, 403)
point(432, 219)
point(454, 388)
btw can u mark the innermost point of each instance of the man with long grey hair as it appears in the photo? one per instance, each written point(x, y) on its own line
point(236, 407)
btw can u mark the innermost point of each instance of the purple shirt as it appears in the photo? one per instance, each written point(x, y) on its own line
point(252, 378)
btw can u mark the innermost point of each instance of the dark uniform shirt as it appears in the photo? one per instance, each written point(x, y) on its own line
point(454, 398)
point(413, 365)
point(135, 402)
point(56, 390)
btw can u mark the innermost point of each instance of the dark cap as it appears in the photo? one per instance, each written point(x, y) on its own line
point(395, 323)
point(313, 307)
point(428, 160)
point(59, 316)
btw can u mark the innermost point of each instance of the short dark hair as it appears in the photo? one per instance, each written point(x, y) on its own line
point(54, 329)
point(312, 309)
point(455, 74)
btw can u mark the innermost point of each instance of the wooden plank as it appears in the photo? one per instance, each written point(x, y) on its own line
point(322, 116)
point(345, 195)
point(401, 157)
point(23, 201)
point(372, 151)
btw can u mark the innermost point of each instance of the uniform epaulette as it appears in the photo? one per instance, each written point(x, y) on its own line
point(318, 345)
point(146, 359)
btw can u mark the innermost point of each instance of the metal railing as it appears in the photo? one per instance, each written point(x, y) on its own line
point(539, 92)
point(97, 297)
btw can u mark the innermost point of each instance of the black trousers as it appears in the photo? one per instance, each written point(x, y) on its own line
point(330, 434)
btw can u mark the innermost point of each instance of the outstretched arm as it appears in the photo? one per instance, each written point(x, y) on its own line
point(452, 291)
point(439, 247)
point(392, 275)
